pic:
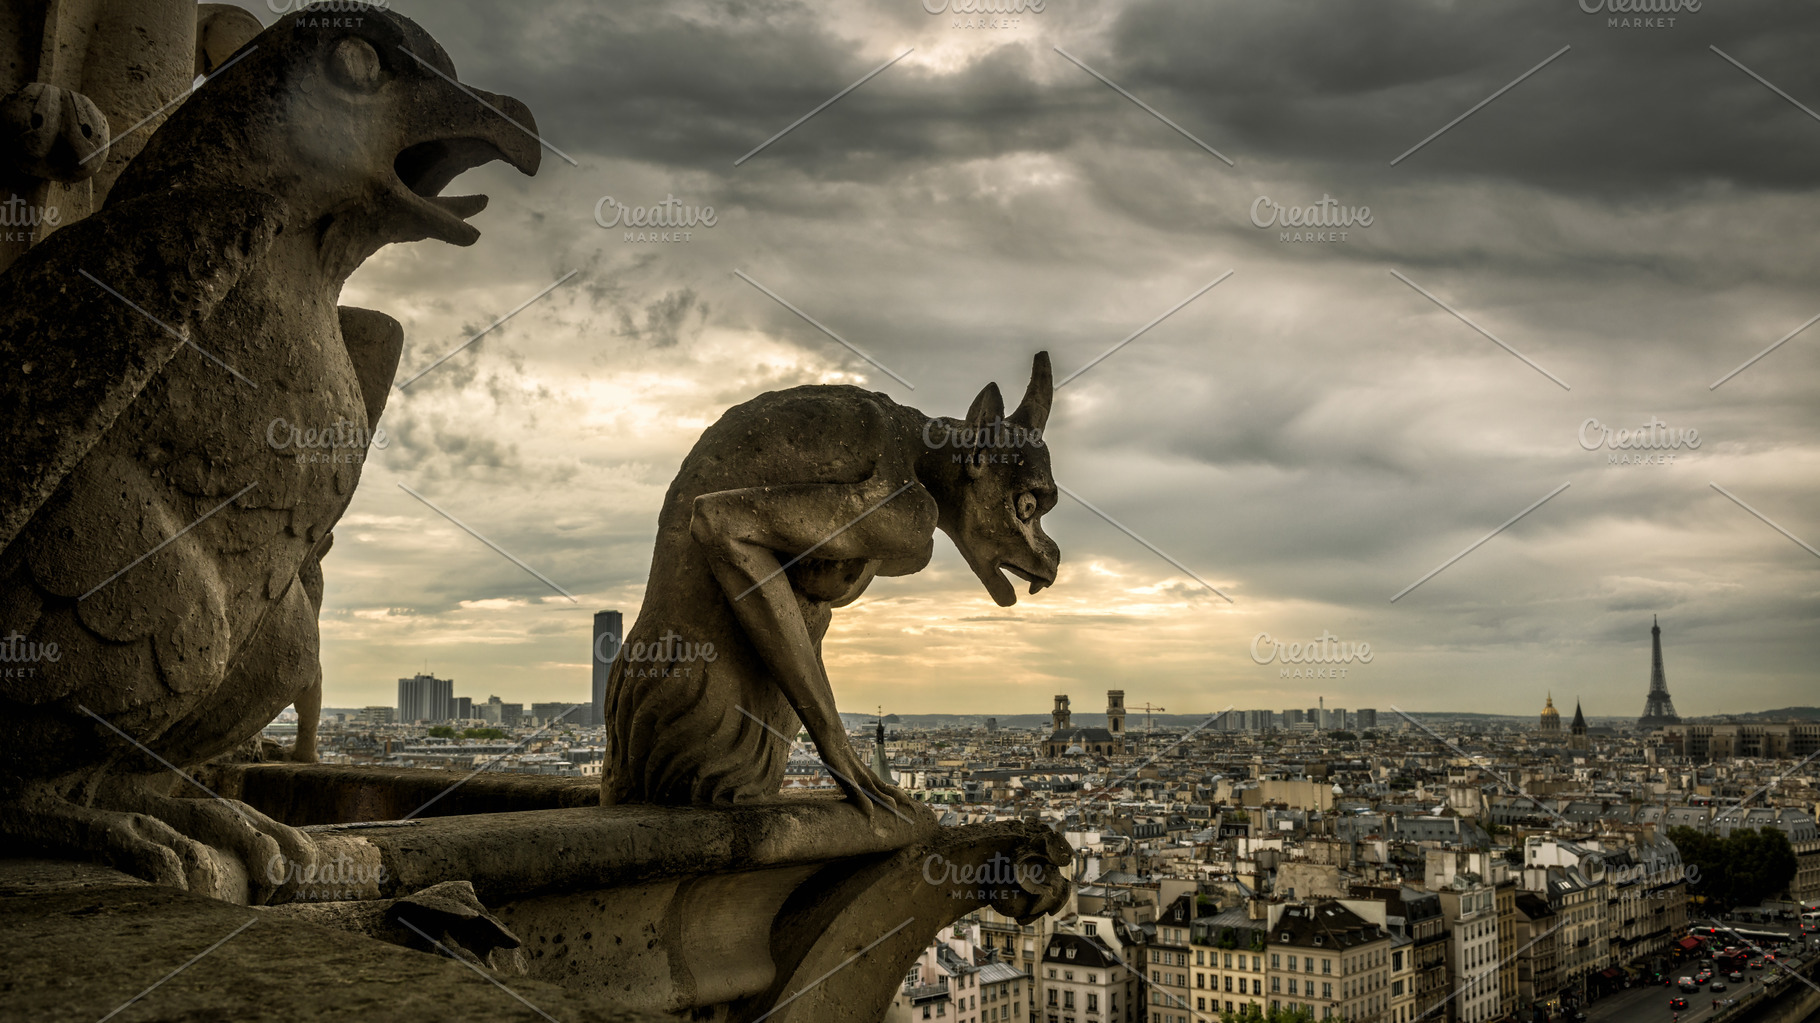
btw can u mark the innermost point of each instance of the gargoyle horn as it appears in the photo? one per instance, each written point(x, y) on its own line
point(1033, 412)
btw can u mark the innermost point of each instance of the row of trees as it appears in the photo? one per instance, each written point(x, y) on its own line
point(1744, 868)
point(448, 732)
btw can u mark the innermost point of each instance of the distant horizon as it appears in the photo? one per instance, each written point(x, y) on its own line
point(1324, 443)
point(1133, 720)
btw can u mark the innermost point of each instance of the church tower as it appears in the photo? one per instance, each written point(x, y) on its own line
point(1115, 713)
point(1578, 728)
point(881, 764)
point(1060, 715)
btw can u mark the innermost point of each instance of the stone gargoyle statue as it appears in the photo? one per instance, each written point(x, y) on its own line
point(159, 554)
point(787, 508)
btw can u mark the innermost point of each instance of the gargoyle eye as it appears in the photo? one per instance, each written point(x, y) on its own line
point(1026, 505)
point(355, 64)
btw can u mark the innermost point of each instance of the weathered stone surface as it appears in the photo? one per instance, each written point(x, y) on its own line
point(786, 509)
point(90, 948)
point(301, 794)
point(81, 90)
point(525, 853)
point(723, 911)
point(149, 526)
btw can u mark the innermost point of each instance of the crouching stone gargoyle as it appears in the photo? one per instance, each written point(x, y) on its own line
point(159, 576)
point(787, 508)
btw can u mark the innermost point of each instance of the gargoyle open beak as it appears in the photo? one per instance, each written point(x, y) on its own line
point(460, 131)
point(1037, 582)
point(1003, 592)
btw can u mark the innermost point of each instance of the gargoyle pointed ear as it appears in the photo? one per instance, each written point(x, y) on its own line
point(1033, 412)
point(987, 409)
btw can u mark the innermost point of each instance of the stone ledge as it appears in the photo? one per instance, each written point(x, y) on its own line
point(301, 794)
point(80, 946)
point(518, 854)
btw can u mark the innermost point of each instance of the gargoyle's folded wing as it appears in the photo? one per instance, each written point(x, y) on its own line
point(73, 356)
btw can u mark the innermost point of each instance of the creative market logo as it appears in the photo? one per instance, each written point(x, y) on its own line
point(342, 443)
point(669, 656)
point(17, 213)
point(1653, 443)
point(996, 443)
point(984, 13)
point(21, 658)
point(1321, 221)
point(1327, 654)
point(669, 214)
point(310, 11)
point(1643, 7)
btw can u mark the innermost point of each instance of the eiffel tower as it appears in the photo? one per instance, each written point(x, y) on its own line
point(1660, 709)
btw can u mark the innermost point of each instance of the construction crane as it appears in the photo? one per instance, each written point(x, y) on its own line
point(1150, 714)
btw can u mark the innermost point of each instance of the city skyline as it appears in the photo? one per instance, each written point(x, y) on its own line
point(1311, 436)
point(1301, 687)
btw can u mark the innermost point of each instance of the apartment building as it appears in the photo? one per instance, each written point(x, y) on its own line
point(1327, 960)
point(1538, 979)
point(1083, 981)
point(957, 980)
point(1471, 909)
point(1426, 929)
point(1229, 971)
point(1166, 962)
point(1573, 876)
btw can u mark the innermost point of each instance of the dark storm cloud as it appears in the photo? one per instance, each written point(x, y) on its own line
point(1627, 114)
point(1313, 435)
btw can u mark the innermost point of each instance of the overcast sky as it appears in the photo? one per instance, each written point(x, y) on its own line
point(1312, 436)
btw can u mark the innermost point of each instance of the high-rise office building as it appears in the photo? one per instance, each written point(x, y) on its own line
point(1292, 718)
point(1367, 717)
point(464, 709)
point(547, 714)
point(505, 715)
point(609, 632)
point(425, 698)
